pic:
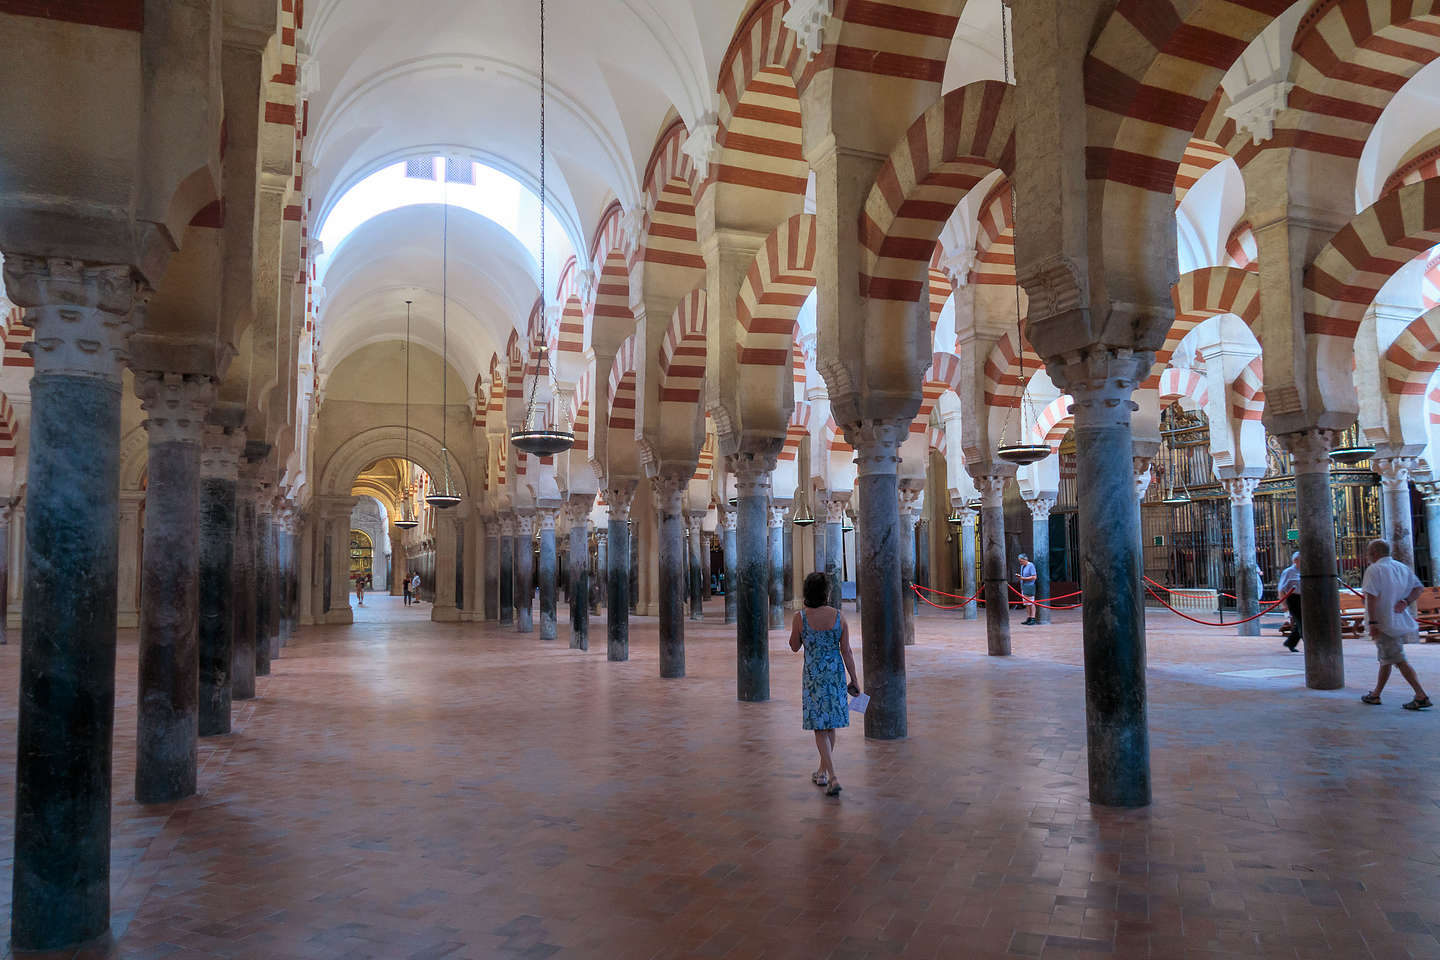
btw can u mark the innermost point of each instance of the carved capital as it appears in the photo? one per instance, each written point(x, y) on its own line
point(968, 519)
point(700, 145)
point(1143, 475)
point(1394, 471)
point(668, 489)
point(992, 490)
point(525, 525)
point(911, 493)
point(1040, 508)
point(220, 457)
point(507, 525)
point(578, 507)
point(779, 513)
point(1255, 110)
point(1310, 449)
point(1100, 384)
point(877, 445)
point(83, 314)
point(752, 472)
point(731, 520)
point(176, 404)
point(835, 509)
point(1241, 489)
point(618, 498)
point(546, 520)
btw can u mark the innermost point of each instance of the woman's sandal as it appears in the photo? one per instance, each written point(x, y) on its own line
point(1418, 704)
point(820, 778)
point(1371, 698)
point(833, 790)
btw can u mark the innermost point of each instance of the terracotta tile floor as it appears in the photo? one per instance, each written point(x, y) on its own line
point(403, 789)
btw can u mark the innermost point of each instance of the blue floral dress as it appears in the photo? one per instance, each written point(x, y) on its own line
point(825, 702)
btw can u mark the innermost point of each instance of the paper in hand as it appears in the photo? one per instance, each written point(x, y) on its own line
point(859, 702)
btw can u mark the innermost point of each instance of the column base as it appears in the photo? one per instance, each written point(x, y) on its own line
point(341, 615)
point(439, 614)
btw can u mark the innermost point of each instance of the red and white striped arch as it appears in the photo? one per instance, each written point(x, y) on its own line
point(758, 147)
point(944, 374)
point(682, 353)
point(495, 411)
point(941, 289)
point(1247, 394)
point(1176, 383)
point(9, 427)
point(621, 415)
point(514, 369)
point(936, 439)
point(995, 239)
point(796, 432)
point(1200, 157)
point(581, 426)
point(775, 287)
point(1004, 385)
point(954, 145)
point(834, 438)
point(570, 344)
point(1241, 248)
point(1210, 292)
point(1414, 356)
point(17, 335)
point(1344, 278)
point(798, 362)
point(1430, 282)
point(1053, 422)
point(1421, 167)
point(705, 465)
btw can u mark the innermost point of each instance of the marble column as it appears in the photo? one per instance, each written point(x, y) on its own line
point(775, 546)
point(730, 522)
point(1432, 535)
point(166, 707)
point(752, 575)
point(910, 493)
point(882, 625)
point(968, 584)
point(818, 531)
point(834, 565)
point(1117, 732)
point(668, 491)
point(127, 587)
point(617, 575)
point(634, 568)
point(1040, 509)
point(922, 558)
point(5, 518)
point(507, 569)
point(1242, 538)
point(1319, 590)
point(579, 507)
point(706, 574)
point(492, 569)
point(81, 317)
point(524, 571)
point(264, 578)
point(548, 599)
point(601, 593)
point(788, 579)
point(1395, 501)
point(993, 565)
point(242, 597)
point(277, 579)
point(697, 566)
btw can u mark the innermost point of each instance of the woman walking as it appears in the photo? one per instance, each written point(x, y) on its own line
point(825, 635)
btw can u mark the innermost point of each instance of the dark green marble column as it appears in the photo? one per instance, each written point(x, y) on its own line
point(218, 464)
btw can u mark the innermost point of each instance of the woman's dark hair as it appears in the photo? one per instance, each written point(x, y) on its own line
point(816, 589)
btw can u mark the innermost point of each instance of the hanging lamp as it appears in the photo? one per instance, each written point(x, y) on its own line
point(534, 437)
point(1020, 453)
point(444, 496)
point(407, 519)
point(803, 517)
point(1351, 452)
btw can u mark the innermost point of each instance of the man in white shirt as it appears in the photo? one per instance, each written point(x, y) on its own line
point(1289, 590)
point(1390, 587)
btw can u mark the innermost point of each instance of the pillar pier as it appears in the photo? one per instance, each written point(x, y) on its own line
point(968, 585)
point(265, 576)
point(1247, 564)
point(834, 564)
point(1395, 500)
point(707, 542)
point(579, 507)
point(167, 709)
point(779, 512)
point(993, 565)
point(697, 565)
point(910, 493)
point(1432, 535)
point(524, 571)
point(80, 314)
point(1040, 509)
point(492, 569)
point(127, 585)
point(1117, 731)
point(548, 567)
point(449, 535)
point(617, 574)
point(668, 491)
point(602, 567)
point(242, 596)
point(507, 569)
point(752, 575)
point(1319, 589)
point(335, 521)
point(730, 520)
point(882, 627)
point(219, 465)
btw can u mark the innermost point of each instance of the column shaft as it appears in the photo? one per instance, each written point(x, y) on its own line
point(1247, 564)
point(1040, 509)
point(907, 562)
point(579, 578)
point(697, 571)
point(507, 573)
point(1432, 536)
point(548, 560)
point(669, 494)
point(263, 580)
point(1319, 590)
point(993, 566)
point(968, 583)
point(1395, 501)
point(752, 586)
point(617, 575)
point(731, 544)
point(882, 625)
point(834, 564)
point(775, 546)
point(242, 597)
point(525, 573)
point(492, 572)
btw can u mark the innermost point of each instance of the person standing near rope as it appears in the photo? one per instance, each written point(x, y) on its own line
point(1027, 577)
point(1289, 590)
point(1390, 587)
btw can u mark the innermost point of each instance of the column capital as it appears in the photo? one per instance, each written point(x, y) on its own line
point(731, 520)
point(1100, 383)
point(578, 507)
point(1143, 475)
point(220, 455)
point(618, 498)
point(1040, 507)
point(525, 523)
point(877, 445)
point(992, 489)
point(1241, 489)
point(1394, 471)
point(601, 534)
point(83, 314)
point(547, 519)
point(835, 508)
point(910, 491)
point(1310, 449)
point(507, 524)
point(668, 489)
point(779, 512)
point(176, 403)
point(752, 472)
point(968, 516)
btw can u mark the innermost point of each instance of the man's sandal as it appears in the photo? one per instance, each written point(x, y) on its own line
point(833, 790)
point(1371, 698)
point(1418, 704)
point(820, 778)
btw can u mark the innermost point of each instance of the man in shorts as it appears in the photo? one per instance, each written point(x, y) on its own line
point(1390, 587)
point(1027, 579)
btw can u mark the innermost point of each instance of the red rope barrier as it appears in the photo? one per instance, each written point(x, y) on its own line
point(960, 606)
point(1227, 596)
point(1025, 599)
point(1207, 623)
point(941, 593)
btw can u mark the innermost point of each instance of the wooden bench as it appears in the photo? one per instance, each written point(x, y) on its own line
point(1427, 611)
point(1352, 614)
